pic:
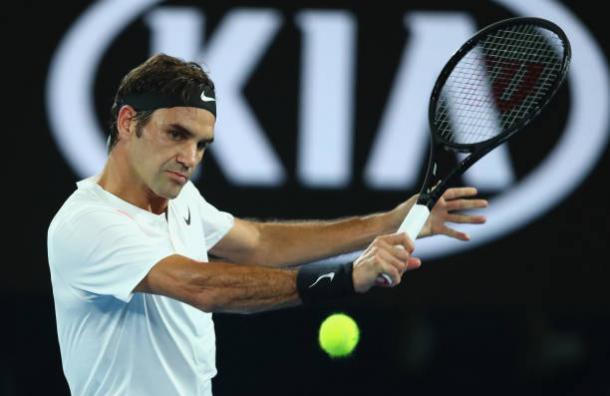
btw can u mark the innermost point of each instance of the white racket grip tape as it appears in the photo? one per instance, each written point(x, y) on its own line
point(412, 225)
point(415, 220)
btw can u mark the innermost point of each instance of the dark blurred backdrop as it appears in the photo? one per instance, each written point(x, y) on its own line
point(309, 93)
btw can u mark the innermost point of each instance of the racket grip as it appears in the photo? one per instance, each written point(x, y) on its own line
point(411, 225)
point(415, 220)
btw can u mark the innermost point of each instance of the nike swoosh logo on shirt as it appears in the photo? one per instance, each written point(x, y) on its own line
point(330, 276)
point(188, 219)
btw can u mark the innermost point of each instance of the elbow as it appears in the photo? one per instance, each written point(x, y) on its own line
point(256, 252)
point(207, 308)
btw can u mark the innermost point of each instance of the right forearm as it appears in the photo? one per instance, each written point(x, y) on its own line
point(226, 287)
point(220, 286)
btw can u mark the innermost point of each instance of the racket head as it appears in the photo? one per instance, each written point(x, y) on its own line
point(497, 83)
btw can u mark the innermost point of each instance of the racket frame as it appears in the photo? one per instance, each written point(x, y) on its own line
point(433, 188)
point(430, 191)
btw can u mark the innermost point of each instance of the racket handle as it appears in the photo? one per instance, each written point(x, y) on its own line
point(415, 220)
point(411, 225)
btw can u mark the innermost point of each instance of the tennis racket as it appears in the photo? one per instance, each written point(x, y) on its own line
point(491, 88)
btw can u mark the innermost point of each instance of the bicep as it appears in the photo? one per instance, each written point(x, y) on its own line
point(240, 244)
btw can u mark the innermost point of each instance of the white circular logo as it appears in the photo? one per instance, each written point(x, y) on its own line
point(69, 99)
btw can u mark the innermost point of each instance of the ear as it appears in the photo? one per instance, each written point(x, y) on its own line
point(124, 122)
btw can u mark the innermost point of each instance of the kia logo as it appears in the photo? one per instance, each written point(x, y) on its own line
point(325, 124)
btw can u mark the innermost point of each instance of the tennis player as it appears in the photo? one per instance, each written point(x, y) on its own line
point(133, 286)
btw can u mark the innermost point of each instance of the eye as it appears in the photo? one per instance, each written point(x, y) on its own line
point(175, 135)
point(202, 146)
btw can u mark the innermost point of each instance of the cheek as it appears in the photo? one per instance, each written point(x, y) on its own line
point(150, 163)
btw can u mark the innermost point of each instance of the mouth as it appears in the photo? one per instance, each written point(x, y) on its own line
point(180, 178)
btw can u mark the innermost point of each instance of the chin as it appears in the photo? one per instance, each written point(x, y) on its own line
point(173, 193)
point(169, 192)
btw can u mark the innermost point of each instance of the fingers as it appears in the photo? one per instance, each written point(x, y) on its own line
point(461, 204)
point(400, 239)
point(400, 253)
point(395, 269)
point(392, 259)
point(396, 256)
point(457, 192)
point(462, 236)
point(387, 254)
point(413, 263)
point(453, 203)
point(466, 219)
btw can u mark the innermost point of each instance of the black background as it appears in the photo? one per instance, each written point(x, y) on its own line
point(525, 314)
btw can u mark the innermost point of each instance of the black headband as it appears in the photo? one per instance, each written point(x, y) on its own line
point(202, 99)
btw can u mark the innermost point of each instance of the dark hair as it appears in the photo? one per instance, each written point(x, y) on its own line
point(159, 74)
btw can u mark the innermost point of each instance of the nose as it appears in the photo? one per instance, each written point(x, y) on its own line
point(189, 156)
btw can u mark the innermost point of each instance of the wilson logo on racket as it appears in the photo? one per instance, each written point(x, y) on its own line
point(516, 80)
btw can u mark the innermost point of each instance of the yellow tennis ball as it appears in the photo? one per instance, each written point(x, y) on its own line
point(339, 335)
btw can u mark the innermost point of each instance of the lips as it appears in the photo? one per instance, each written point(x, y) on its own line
point(177, 176)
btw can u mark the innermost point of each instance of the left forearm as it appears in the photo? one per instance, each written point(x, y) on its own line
point(281, 244)
point(288, 243)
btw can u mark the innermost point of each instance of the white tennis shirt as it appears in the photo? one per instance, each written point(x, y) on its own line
point(114, 341)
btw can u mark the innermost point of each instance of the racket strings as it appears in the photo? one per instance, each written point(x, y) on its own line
point(505, 77)
point(536, 48)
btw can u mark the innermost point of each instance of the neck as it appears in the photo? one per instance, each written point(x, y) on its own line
point(119, 178)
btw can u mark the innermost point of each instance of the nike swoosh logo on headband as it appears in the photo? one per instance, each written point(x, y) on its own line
point(206, 98)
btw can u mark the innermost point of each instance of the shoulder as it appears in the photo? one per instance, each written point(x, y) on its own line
point(80, 226)
point(83, 209)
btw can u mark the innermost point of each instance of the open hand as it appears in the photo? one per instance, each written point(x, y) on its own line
point(453, 200)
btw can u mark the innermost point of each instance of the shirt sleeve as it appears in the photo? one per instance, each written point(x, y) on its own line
point(104, 252)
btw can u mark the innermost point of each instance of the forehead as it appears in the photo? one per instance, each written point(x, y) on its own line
point(198, 121)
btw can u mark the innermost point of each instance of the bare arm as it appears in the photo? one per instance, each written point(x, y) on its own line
point(287, 243)
point(222, 287)
point(280, 244)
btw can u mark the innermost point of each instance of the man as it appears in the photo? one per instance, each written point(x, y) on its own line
point(133, 286)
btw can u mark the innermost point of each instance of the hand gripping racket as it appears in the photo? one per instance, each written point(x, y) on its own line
point(491, 88)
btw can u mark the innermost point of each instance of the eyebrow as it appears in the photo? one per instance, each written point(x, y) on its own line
point(190, 134)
